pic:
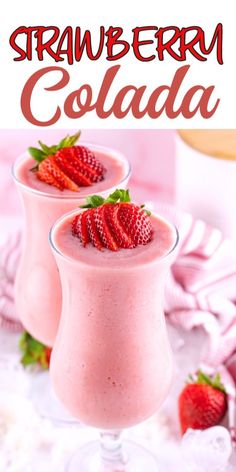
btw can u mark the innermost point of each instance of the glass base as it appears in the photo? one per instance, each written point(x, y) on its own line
point(46, 403)
point(136, 459)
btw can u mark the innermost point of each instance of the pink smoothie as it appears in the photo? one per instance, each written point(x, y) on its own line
point(111, 364)
point(38, 289)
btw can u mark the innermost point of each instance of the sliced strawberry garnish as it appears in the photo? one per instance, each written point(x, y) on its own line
point(73, 170)
point(50, 173)
point(80, 228)
point(112, 225)
point(47, 176)
point(137, 225)
point(104, 230)
point(123, 239)
point(83, 161)
point(93, 232)
point(65, 163)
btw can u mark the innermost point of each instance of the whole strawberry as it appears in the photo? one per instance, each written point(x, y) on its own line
point(202, 402)
point(66, 165)
point(34, 352)
point(113, 222)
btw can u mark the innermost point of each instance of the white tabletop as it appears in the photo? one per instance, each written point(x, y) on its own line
point(30, 443)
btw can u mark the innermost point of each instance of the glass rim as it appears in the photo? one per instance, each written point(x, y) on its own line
point(76, 211)
point(76, 196)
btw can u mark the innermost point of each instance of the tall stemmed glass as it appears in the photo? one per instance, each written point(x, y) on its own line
point(37, 286)
point(111, 364)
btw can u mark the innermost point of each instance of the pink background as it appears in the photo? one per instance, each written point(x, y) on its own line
point(150, 152)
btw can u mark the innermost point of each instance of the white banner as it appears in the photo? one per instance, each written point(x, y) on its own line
point(175, 68)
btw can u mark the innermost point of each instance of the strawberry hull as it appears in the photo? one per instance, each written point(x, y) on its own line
point(37, 287)
point(112, 365)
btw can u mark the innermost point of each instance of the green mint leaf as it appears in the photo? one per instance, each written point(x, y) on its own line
point(74, 139)
point(35, 346)
point(126, 196)
point(93, 201)
point(52, 150)
point(41, 154)
point(33, 351)
point(68, 141)
point(45, 149)
point(23, 341)
point(27, 360)
point(37, 154)
point(63, 143)
point(119, 195)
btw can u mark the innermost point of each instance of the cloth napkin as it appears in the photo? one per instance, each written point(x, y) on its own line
point(200, 291)
point(9, 259)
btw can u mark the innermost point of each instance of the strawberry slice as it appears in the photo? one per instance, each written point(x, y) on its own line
point(112, 223)
point(84, 160)
point(93, 232)
point(46, 176)
point(105, 233)
point(80, 228)
point(51, 174)
point(124, 240)
point(73, 170)
point(137, 225)
point(66, 165)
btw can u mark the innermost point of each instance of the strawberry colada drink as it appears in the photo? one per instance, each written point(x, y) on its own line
point(111, 364)
point(51, 181)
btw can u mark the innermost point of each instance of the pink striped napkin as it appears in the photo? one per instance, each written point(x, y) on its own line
point(201, 291)
point(9, 259)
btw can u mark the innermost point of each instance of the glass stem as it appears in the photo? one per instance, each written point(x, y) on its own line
point(112, 454)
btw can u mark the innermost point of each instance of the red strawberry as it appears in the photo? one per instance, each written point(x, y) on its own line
point(112, 223)
point(34, 352)
point(67, 166)
point(202, 403)
point(48, 352)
